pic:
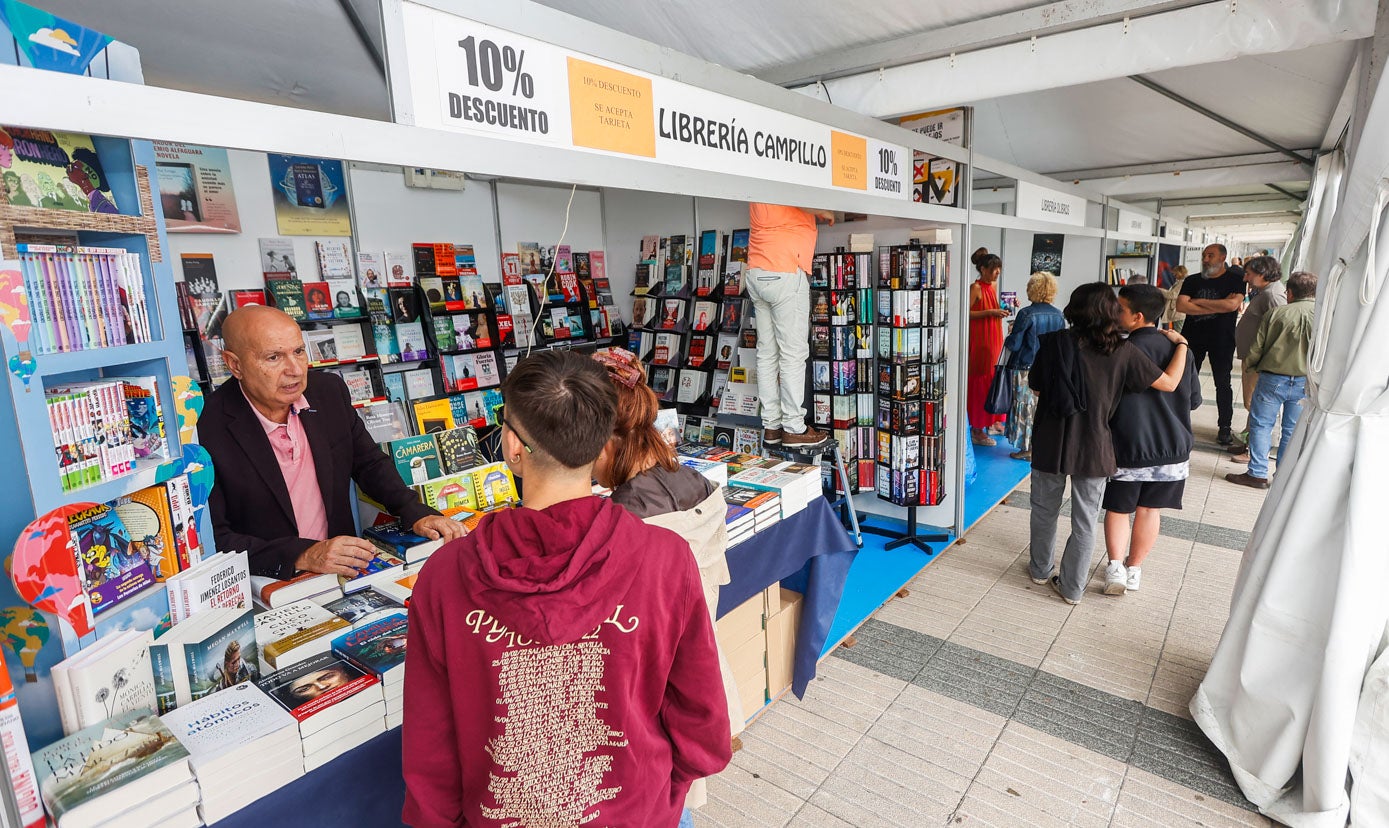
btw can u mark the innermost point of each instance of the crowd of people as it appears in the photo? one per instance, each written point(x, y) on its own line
point(1102, 395)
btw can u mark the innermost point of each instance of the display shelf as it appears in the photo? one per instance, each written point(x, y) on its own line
point(370, 402)
point(95, 358)
point(334, 363)
point(143, 475)
point(334, 320)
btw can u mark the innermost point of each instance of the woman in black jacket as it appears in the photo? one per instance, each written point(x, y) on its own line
point(1079, 376)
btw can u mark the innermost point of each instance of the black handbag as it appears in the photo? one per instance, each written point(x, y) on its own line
point(1000, 398)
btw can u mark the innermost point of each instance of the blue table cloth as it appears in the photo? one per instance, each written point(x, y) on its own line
point(808, 552)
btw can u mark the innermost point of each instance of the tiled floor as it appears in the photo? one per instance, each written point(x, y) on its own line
point(982, 699)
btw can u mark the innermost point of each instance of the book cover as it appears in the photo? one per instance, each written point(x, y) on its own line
point(334, 259)
point(529, 257)
point(511, 269)
point(288, 296)
point(294, 617)
point(433, 415)
point(39, 156)
point(487, 373)
point(452, 493)
point(116, 679)
point(315, 684)
point(360, 606)
point(224, 657)
point(347, 304)
point(672, 314)
point(457, 450)
point(242, 298)
point(411, 341)
point(145, 514)
point(419, 383)
point(318, 303)
point(277, 259)
point(378, 647)
point(218, 725)
point(110, 569)
point(473, 294)
point(470, 330)
point(348, 341)
point(320, 346)
point(416, 458)
point(385, 422)
point(434, 292)
point(360, 387)
point(444, 337)
point(371, 270)
point(81, 773)
point(404, 305)
point(399, 273)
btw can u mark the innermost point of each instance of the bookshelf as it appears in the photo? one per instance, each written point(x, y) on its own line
point(26, 437)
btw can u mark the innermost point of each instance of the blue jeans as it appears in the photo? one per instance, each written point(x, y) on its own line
point(686, 819)
point(1274, 392)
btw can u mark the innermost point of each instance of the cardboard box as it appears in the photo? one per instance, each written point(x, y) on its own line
point(742, 623)
point(781, 642)
point(749, 665)
point(771, 602)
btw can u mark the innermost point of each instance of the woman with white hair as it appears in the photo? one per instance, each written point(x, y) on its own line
point(1040, 317)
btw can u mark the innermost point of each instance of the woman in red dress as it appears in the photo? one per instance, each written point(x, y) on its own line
point(985, 343)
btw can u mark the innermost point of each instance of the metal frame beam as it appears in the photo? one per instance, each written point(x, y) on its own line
point(1185, 165)
point(997, 30)
point(1220, 119)
point(359, 26)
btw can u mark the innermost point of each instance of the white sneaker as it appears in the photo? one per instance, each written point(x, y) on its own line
point(1114, 578)
point(1135, 578)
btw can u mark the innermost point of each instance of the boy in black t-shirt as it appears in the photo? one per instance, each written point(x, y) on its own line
point(1211, 301)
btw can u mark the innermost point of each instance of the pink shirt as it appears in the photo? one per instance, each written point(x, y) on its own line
point(291, 447)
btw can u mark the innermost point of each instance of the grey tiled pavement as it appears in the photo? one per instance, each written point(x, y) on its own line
point(981, 699)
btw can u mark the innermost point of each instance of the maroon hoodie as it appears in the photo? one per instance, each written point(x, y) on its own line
point(561, 671)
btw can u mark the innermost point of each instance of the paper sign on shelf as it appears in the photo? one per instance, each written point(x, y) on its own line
point(1135, 224)
point(1040, 203)
point(467, 76)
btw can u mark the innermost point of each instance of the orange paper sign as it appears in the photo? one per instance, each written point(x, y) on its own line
point(849, 160)
point(611, 110)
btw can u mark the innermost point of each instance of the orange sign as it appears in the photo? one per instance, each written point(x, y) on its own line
point(611, 110)
point(849, 160)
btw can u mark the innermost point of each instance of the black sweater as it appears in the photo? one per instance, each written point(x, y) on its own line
point(1153, 428)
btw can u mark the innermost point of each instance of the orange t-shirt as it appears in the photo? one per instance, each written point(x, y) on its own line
point(781, 239)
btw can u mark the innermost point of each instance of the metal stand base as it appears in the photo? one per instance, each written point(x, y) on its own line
point(843, 502)
point(912, 536)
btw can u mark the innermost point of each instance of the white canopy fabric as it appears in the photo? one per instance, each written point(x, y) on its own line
point(1297, 695)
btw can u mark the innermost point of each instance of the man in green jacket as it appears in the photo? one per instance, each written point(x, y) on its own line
point(1279, 354)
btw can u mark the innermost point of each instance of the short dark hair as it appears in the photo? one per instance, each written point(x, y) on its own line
point(1145, 299)
point(564, 405)
point(1218, 246)
point(1094, 315)
point(1265, 267)
point(986, 261)
point(1302, 285)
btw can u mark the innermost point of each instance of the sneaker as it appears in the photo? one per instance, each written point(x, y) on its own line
point(1247, 479)
point(771, 436)
point(809, 437)
point(1056, 585)
point(1224, 437)
point(1040, 581)
point(1114, 578)
point(1135, 579)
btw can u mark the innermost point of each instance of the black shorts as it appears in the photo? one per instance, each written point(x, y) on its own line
point(1125, 496)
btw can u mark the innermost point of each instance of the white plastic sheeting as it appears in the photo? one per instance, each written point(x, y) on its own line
point(1298, 690)
point(1186, 37)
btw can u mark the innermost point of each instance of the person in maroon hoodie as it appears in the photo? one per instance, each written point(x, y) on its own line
point(562, 667)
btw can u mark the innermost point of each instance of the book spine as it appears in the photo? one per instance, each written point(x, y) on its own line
point(18, 763)
point(37, 324)
point(111, 295)
point(100, 325)
point(49, 273)
point(165, 696)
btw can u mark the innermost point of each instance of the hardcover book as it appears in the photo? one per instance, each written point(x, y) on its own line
point(318, 303)
point(288, 296)
point(457, 449)
point(110, 569)
point(145, 514)
point(316, 684)
point(378, 647)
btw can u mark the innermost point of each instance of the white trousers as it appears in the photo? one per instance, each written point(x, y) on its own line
point(782, 303)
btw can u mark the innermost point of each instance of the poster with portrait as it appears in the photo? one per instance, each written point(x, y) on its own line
point(310, 196)
point(195, 188)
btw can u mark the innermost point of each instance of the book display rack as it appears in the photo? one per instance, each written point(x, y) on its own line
point(841, 361)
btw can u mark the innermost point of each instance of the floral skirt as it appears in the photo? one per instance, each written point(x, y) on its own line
point(1019, 428)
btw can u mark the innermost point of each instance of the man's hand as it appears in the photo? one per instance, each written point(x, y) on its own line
point(438, 526)
point(826, 216)
point(343, 555)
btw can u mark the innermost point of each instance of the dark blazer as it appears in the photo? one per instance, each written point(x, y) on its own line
point(250, 502)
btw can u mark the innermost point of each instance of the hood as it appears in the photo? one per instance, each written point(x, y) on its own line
point(657, 491)
point(540, 572)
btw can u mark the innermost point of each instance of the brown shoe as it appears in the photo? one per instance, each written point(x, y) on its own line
point(1240, 447)
point(771, 436)
point(1020, 455)
point(809, 437)
point(1240, 458)
point(1247, 479)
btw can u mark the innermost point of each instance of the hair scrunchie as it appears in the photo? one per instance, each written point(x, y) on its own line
point(622, 365)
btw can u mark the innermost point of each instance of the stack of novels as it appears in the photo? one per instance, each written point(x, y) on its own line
point(126, 772)
point(211, 651)
point(241, 745)
point(223, 581)
point(101, 428)
point(338, 705)
point(269, 593)
point(111, 677)
point(797, 484)
point(83, 297)
point(379, 649)
point(765, 506)
point(294, 632)
point(361, 608)
point(714, 471)
point(741, 523)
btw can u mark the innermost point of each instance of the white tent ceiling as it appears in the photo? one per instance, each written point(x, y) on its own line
point(323, 54)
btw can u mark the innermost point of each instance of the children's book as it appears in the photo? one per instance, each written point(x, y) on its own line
point(110, 567)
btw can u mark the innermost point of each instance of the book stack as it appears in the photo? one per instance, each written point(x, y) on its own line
point(83, 297)
point(797, 483)
point(110, 677)
point(223, 581)
point(741, 523)
point(146, 515)
point(241, 746)
point(101, 428)
point(211, 651)
point(765, 506)
point(382, 567)
point(294, 632)
point(714, 471)
point(379, 649)
point(361, 608)
point(126, 772)
point(338, 705)
point(269, 593)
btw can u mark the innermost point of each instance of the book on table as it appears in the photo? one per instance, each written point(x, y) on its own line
point(111, 677)
point(364, 607)
point(324, 694)
point(222, 581)
point(213, 650)
point(268, 593)
point(294, 632)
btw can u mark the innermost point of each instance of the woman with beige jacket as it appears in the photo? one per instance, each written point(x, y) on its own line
point(640, 468)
